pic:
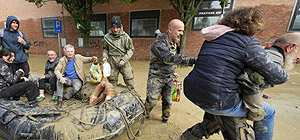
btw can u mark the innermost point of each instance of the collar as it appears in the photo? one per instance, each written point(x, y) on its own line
point(278, 49)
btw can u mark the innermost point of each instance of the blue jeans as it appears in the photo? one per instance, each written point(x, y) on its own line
point(263, 129)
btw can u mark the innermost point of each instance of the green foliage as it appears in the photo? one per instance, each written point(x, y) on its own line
point(222, 2)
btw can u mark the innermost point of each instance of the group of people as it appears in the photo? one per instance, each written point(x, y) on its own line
point(229, 72)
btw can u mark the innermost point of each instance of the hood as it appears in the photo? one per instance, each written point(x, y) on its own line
point(117, 35)
point(9, 20)
point(213, 32)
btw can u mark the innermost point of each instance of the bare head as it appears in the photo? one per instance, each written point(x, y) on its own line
point(69, 51)
point(290, 44)
point(51, 55)
point(175, 30)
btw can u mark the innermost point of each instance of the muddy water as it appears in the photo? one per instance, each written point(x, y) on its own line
point(285, 99)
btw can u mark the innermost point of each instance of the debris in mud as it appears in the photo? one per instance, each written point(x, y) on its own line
point(266, 96)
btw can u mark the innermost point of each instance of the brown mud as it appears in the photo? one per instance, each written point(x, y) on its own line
point(285, 99)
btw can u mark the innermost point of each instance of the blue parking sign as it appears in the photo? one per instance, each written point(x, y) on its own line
point(57, 26)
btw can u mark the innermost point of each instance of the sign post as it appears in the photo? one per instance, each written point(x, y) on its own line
point(58, 29)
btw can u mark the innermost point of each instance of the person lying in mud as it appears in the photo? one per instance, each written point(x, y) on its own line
point(14, 84)
point(49, 76)
point(70, 72)
point(105, 90)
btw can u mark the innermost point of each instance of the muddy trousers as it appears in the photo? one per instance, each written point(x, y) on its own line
point(232, 128)
point(76, 85)
point(27, 87)
point(125, 70)
point(24, 66)
point(52, 81)
point(156, 86)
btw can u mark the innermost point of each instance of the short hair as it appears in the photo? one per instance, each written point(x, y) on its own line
point(247, 21)
point(69, 46)
point(288, 38)
point(6, 52)
point(51, 51)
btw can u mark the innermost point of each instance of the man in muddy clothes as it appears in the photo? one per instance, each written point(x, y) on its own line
point(70, 72)
point(117, 50)
point(164, 56)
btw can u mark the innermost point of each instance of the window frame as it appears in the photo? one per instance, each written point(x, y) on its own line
point(53, 18)
point(145, 14)
point(210, 13)
point(294, 14)
point(100, 17)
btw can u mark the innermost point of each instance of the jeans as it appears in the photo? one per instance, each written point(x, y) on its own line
point(76, 85)
point(263, 129)
point(16, 90)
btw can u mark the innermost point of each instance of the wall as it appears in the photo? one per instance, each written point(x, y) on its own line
point(276, 15)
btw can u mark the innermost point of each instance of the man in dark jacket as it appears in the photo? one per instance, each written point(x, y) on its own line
point(164, 56)
point(49, 76)
point(16, 41)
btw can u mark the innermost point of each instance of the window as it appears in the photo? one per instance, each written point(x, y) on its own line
point(48, 27)
point(294, 24)
point(144, 23)
point(98, 25)
point(209, 13)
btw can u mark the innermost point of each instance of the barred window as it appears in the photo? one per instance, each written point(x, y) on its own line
point(98, 25)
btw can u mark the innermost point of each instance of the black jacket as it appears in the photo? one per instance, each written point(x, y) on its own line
point(50, 67)
point(7, 76)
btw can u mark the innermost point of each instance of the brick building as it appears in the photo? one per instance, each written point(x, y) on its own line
point(139, 20)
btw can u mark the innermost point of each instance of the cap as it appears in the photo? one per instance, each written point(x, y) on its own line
point(116, 21)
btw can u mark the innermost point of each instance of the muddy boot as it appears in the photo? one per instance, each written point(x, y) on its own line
point(59, 102)
point(187, 135)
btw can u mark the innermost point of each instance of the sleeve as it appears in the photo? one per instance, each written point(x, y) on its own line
point(129, 50)
point(85, 59)
point(160, 49)
point(257, 59)
point(105, 49)
point(27, 46)
point(59, 68)
point(9, 76)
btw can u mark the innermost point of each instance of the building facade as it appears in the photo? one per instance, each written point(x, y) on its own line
point(140, 20)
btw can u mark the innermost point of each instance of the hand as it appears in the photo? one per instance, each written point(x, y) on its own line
point(176, 75)
point(95, 58)
point(62, 80)
point(42, 77)
point(24, 78)
point(21, 40)
point(21, 70)
point(122, 62)
point(104, 60)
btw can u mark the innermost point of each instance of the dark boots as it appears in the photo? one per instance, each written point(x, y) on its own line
point(59, 102)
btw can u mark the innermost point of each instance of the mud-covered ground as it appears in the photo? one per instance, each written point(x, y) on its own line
point(285, 99)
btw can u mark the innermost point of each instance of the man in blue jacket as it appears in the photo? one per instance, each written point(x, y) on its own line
point(16, 41)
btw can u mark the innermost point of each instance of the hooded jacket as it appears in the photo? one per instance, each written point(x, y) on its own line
point(117, 45)
point(10, 40)
point(7, 76)
point(212, 83)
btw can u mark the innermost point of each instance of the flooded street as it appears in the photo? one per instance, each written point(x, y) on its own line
point(285, 99)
